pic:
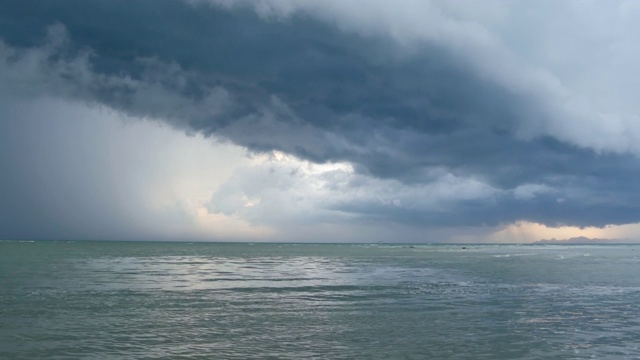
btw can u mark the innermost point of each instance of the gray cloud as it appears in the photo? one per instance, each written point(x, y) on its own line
point(399, 92)
point(54, 185)
point(77, 172)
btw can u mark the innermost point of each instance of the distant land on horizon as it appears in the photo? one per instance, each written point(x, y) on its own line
point(581, 240)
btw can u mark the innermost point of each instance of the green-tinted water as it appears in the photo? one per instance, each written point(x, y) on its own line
point(284, 301)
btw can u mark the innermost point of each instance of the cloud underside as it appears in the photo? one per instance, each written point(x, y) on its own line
point(370, 115)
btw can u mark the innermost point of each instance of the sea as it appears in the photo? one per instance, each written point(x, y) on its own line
point(178, 300)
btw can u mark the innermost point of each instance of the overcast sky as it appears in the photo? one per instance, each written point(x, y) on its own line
point(319, 120)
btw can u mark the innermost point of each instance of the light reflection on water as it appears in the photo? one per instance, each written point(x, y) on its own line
point(201, 273)
point(120, 300)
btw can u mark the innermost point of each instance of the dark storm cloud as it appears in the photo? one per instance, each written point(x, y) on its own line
point(308, 88)
point(343, 84)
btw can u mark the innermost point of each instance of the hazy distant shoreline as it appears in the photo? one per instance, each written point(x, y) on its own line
point(582, 240)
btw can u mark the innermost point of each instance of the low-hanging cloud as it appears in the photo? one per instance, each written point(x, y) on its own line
point(444, 116)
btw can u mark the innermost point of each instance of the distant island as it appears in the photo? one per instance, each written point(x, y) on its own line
point(580, 240)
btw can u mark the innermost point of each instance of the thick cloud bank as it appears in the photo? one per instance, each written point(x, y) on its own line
point(424, 113)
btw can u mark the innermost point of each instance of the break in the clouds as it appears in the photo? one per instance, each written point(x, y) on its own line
point(419, 116)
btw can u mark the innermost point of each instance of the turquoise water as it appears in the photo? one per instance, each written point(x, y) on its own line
point(115, 300)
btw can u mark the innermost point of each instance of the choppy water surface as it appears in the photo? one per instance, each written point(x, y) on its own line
point(283, 301)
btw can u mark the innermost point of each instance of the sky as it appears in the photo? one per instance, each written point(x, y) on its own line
point(319, 120)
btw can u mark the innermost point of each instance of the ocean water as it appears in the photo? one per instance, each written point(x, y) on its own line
point(116, 300)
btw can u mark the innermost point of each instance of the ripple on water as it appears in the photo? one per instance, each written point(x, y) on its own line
point(376, 302)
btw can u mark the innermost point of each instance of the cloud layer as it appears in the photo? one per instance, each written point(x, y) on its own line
point(429, 114)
